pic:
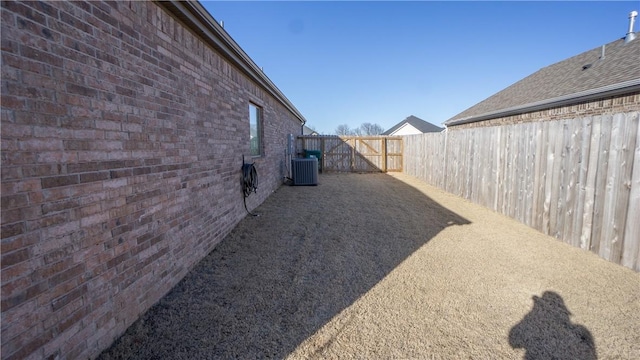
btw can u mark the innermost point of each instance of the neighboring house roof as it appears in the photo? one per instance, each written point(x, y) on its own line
point(421, 125)
point(584, 77)
point(308, 131)
point(198, 19)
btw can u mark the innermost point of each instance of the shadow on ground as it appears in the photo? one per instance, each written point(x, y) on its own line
point(547, 332)
point(278, 278)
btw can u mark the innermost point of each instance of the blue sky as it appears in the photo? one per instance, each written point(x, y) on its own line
point(379, 62)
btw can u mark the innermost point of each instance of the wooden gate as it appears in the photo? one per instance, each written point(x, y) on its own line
point(354, 153)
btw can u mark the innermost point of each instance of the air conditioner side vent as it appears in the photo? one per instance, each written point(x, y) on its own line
point(304, 171)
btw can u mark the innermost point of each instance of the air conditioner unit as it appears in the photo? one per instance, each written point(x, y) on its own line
point(304, 171)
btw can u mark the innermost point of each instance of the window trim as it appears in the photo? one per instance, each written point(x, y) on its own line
point(260, 131)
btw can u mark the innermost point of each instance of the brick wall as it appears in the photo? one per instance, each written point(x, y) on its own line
point(611, 105)
point(122, 142)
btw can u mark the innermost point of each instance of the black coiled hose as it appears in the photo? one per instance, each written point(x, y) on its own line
point(249, 183)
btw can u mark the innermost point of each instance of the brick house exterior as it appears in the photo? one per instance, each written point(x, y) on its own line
point(123, 129)
point(609, 105)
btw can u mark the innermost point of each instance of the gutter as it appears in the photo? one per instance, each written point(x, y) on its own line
point(622, 88)
point(198, 19)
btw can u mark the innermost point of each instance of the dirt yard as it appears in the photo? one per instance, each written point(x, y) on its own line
point(383, 266)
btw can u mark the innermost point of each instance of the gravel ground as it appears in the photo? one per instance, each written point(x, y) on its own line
point(383, 266)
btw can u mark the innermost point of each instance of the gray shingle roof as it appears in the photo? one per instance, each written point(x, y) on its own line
point(576, 75)
point(417, 123)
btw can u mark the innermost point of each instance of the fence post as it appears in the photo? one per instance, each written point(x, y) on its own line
point(322, 141)
point(384, 154)
point(353, 154)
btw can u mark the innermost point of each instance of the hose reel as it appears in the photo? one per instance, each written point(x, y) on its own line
point(249, 182)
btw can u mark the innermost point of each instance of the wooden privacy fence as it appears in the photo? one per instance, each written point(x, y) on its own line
point(577, 179)
point(354, 153)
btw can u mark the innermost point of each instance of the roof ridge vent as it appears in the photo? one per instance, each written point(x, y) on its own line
point(630, 34)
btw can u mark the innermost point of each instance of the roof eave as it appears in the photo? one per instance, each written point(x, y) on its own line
point(196, 17)
point(621, 88)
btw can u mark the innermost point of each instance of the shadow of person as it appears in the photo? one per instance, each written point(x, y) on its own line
point(547, 332)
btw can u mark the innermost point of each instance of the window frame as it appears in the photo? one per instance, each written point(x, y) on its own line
point(257, 150)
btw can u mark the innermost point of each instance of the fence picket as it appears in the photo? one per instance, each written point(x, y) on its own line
point(631, 246)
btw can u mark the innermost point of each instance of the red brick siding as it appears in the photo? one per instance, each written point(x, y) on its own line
point(122, 143)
